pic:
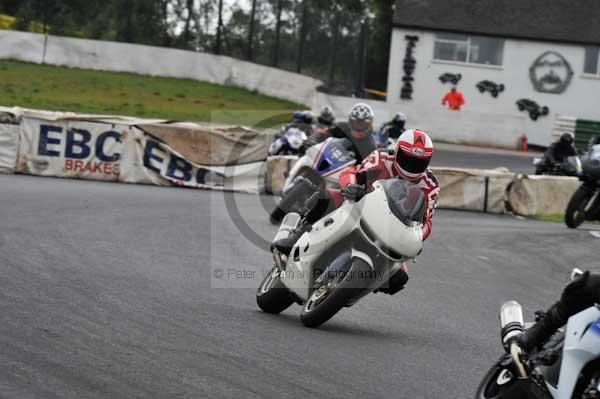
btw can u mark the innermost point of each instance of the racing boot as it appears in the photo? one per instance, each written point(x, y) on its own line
point(395, 283)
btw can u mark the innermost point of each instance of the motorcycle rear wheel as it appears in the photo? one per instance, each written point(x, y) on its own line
point(272, 296)
point(575, 214)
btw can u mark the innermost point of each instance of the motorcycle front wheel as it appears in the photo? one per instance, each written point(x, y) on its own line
point(575, 214)
point(500, 383)
point(334, 293)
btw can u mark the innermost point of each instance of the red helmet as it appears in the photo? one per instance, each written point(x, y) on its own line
point(413, 153)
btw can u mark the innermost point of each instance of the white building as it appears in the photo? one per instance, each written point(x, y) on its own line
point(545, 51)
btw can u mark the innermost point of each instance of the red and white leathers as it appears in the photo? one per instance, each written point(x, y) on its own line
point(380, 165)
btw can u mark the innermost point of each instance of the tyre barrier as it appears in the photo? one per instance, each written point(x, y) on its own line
point(278, 168)
point(533, 195)
point(156, 152)
point(473, 189)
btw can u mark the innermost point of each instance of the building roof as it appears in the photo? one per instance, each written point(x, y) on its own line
point(572, 21)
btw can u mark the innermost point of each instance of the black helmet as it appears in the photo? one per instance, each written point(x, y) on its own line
point(399, 119)
point(567, 138)
point(307, 117)
point(326, 116)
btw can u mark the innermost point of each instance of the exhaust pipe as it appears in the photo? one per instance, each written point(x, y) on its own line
point(511, 322)
point(512, 325)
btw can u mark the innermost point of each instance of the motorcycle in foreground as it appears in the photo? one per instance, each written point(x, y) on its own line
point(347, 254)
point(318, 169)
point(585, 202)
point(567, 365)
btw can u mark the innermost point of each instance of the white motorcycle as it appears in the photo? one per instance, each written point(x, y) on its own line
point(347, 254)
point(567, 366)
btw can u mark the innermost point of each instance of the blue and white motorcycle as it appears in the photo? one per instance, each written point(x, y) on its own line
point(566, 367)
point(289, 143)
point(312, 174)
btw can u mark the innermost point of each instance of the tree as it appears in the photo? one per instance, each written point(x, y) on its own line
point(188, 22)
point(219, 28)
point(249, 51)
point(380, 38)
point(10, 7)
point(315, 37)
point(275, 56)
point(303, 33)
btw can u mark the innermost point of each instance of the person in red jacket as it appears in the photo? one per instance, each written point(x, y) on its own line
point(454, 98)
point(409, 161)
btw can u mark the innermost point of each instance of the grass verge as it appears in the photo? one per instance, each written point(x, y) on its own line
point(551, 218)
point(100, 92)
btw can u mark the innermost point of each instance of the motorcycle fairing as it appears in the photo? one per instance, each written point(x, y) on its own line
point(309, 160)
point(332, 157)
point(352, 224)
point(582, 345)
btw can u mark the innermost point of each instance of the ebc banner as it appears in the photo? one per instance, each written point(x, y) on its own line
point(163, 165)
point(69, 148)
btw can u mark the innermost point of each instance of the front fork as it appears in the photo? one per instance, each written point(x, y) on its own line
point(592, 207)
point(592, 202)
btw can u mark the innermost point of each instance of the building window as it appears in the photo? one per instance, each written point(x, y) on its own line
point(468, 49)
point(592, 60)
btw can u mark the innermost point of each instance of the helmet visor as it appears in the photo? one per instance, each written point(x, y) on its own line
point(360, 128)
point(412, 164)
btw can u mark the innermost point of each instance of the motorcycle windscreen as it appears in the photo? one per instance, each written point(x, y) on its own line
point(406, 201)
point(334, 155)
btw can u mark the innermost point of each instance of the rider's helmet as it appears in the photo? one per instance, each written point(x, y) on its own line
point(295, 137)
point(399, 119)
point(307, 118)
point(326, 116)
point(567, 138)
point(413, 153)
point(297, 116)
point(361, 120)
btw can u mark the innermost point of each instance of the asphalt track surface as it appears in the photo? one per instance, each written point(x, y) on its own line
point(108, 291)
point(455, 158)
